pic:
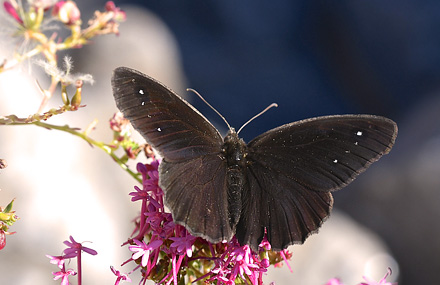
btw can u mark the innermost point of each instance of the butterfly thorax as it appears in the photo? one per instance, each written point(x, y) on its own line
point(234, 151)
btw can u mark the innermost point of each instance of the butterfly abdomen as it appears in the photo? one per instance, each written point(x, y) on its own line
point(234, 151)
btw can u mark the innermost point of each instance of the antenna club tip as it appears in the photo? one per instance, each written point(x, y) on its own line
point(274, 105)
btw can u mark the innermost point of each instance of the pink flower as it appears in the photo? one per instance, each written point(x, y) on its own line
point(383, 281)
point(183, 244)
point(75, 248)
point(67, 12)
point(58, 260)
point(150, 177)
point(141, 194)
point(120, 276)
point(265, 244)
point(119, 14)
point(244, 262)
point(65, 275)
point(143, 250)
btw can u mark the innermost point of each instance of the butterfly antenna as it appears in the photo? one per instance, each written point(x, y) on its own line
point(257, 115)
point(206, 102)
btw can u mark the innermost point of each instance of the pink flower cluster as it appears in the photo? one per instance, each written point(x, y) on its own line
point(66, 12)
point(167, 253)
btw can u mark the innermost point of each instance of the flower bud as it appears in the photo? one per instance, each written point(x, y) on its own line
point(64, 94)
point(120, 15)
point(67, 12)
point(11, 10)
point(265, 263)
point(76, 99)
point(8, 218)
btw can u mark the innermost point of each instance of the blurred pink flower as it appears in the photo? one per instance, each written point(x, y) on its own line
point(58, 260)
point(64, 275)
point(67, 12)
point(11, 10)
point(120, 276)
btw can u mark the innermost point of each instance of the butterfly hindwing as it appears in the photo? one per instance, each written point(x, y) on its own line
point(288, 215)
point(292, 168)
point(196, 193)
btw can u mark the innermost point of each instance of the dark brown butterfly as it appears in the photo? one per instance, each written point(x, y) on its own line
point(280, 182)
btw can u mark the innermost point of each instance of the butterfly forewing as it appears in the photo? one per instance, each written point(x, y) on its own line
point(325, 153)
point(172, 126)
point(192, 174)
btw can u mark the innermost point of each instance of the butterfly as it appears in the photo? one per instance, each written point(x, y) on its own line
point(278, 185)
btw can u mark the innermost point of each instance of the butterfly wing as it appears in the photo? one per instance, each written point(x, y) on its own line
point(196, 194)
point(192, 174)
point(171, 125)
point(292, 169)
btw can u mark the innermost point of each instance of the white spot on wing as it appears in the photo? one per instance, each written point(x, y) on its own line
point(159, 129)
point(359, 133)
point(141, 91)
point(143, 103)
point(335, 161)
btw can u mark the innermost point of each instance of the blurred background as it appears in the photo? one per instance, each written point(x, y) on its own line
point(313, 58)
